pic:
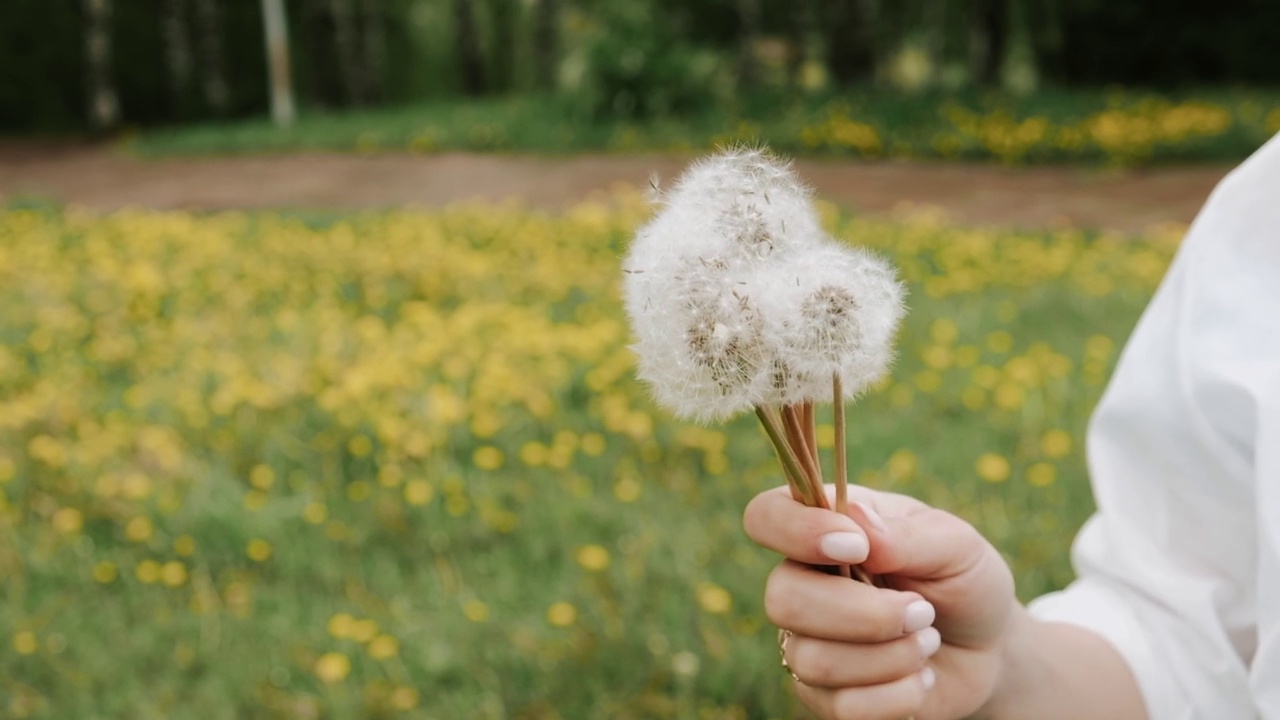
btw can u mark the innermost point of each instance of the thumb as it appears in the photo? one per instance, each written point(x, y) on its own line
point(927, 544)
point(948, 562)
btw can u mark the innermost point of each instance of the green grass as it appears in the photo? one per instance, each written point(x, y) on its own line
point(1064, 126)
point(221, 435)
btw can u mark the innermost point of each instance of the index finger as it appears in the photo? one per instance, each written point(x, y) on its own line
point(805, 534)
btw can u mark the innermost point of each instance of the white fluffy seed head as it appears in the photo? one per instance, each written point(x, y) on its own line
point(737, 298)
point(838, 309)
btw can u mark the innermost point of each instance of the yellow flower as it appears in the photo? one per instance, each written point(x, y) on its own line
point(1056, 444)
point(360, 446)
point(104, 572)
point(363, 631)
point(476, 611)
point(626, 489)
point(139, 529)
point(713, 598)
point(173, 574)
point(383, 647)
point(592, 557)
point(1041, 474)
point(418, 492)
point(562, 614)
point(993, 468)
point(339, 626)
point(943, 331)
point(359, 491)
point(315, 513)
point(67, 521)
point(25, 643)
point(404, 698)
point(999, 342)
point(333, 667)
point(593, 444)
point(488, 458)
point(147, 572)
point(184, 545)
point(902, 464)
point(262, 477)
point(258, 550)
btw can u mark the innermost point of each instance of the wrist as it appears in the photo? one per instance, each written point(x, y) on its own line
point(1014, 662)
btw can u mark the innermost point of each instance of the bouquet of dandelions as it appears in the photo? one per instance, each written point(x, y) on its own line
point(740, 301)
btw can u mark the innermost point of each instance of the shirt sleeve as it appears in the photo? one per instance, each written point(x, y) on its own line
point(1172, 568)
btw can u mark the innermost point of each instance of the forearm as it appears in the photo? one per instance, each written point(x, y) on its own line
point(1055, 671)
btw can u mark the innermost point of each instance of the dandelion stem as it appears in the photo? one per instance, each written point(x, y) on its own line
point(800, 488)
point(795, 435)
point(811, 436)
point(842, 466)
point(842, 461)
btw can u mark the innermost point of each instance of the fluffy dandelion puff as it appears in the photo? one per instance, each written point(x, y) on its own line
point(701, 346)
point(698, 319)
point(836, 310)
point(737, 299)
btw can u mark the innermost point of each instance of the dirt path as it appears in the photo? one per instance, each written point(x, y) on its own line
point(978, 194)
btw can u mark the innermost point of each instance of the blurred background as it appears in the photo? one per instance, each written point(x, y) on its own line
point(315, 395)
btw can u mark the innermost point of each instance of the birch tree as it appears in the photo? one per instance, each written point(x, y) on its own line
point(278, 72)
point(177, 50)
point(104, 104)
point(212, 59)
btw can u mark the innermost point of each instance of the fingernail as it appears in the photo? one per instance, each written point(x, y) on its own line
point(873, 517)
point(844, 546)
point(928, 677)
point(919, 615)
point(930, 640)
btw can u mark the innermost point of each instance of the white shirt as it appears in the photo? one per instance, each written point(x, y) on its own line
point(1180, 567)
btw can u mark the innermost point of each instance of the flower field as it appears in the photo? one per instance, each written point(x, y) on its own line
point(395, 464)
point(1113, 128)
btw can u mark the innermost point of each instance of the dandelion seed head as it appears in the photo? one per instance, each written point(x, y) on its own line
point(737, 298)
point(838, 311)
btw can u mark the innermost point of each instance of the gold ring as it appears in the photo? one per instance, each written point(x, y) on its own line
point(783, 637)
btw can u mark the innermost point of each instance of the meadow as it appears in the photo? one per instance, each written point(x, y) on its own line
point(1113, 127)
point(267, 465)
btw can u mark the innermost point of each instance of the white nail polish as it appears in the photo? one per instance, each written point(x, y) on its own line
point(928, 677)
point(930, 640)
point(918, 616)
point(845, 547)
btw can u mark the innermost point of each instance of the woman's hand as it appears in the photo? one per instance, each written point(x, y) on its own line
point(930, 646)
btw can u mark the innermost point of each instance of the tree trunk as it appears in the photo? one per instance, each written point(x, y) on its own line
point(802, 31)
point(546, 43)
point(216, 92)
point(986, 39)
point(1019, 69)
point(467, 45)
point(177, 52)
point(850, 40)
point(748, 38)
point(344, 43)
point(104, 104)
point(503, 13)
point(373, 46)
point(281, 80)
